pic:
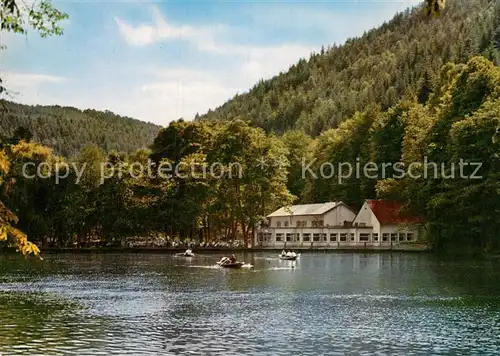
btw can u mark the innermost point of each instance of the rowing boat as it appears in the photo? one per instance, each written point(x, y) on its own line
point(187, 253)
point(287, 257)
point(228, 263)
point(231, 264)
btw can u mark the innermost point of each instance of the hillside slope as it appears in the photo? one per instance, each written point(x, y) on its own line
point(67, 130)
point(402, 55)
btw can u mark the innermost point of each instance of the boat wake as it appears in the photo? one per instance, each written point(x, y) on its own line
point(265, 258)
point(206, 267)
point(273, 269)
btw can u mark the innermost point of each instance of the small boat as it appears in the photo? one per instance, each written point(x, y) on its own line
point(288, 256)
point(187, 253)
point(227, 263)
point(231, 264)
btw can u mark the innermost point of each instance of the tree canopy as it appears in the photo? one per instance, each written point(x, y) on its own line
point(68, 130)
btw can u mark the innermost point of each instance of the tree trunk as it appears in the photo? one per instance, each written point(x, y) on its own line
point(253, 236)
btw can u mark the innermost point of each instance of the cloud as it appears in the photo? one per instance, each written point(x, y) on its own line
point(160, 30)
point(169, 100)
point(182, 92)
point(36, 88)
point(16, 79)
point(168, 93)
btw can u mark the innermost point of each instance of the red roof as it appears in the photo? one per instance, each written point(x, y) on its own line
point(390, 212)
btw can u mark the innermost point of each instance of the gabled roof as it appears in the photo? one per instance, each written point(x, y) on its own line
point(305, 209)
point(390, 212)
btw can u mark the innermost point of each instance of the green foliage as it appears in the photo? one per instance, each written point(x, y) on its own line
point(434, 7)
point(459, 124)
point(254, 182)
point(300, 149)
point(84, 209)
point(8, 232)
point(455, 133)
point(41, 16)
point(349, 143)
point(18, 17)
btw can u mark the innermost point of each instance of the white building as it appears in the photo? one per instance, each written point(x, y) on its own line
point(379, 223)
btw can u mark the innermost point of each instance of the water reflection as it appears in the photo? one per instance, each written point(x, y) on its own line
point(322, 303)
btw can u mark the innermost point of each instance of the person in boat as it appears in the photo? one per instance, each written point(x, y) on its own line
point(283, 253)
point(233, 259)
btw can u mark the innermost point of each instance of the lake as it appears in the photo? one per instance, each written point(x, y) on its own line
point(325, 303)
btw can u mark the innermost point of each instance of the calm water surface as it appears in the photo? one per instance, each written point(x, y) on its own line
point(408, 304)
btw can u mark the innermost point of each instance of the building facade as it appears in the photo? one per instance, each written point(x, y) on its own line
point(379, 223)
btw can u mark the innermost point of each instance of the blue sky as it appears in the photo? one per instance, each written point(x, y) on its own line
point(158, 61)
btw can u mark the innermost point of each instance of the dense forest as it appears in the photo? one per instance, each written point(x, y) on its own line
point(68, 130)
point(402, 56)
point(456, 129)
point(110, 197)
point(388, 97)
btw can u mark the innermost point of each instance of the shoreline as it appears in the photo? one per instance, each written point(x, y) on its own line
point(205, 250)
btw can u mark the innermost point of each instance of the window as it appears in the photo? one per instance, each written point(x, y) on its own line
point(343, 237)
point(402, 236)
point(375, 237)
point(286, 223)
point(394, 236)
point(278, 223)
point(385, 237)
point(268, 236)
point(352, 236)
point(289, 237)
point(317, 223)
point(364, 237)
point(316, 237)
point(333, 237)
point(306, 237)
point(301, 223)
point(323, 237)
point(410, 236)
point(279, 237)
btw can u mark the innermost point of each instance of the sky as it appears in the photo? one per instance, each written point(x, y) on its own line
point(158, 61)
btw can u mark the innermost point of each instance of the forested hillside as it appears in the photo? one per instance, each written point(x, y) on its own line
point(390, 97)
point(68, 130)
point(456, 193)
point(403, 55)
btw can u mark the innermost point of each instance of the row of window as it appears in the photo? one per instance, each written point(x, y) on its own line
point(302, 223)
point(342, 237)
